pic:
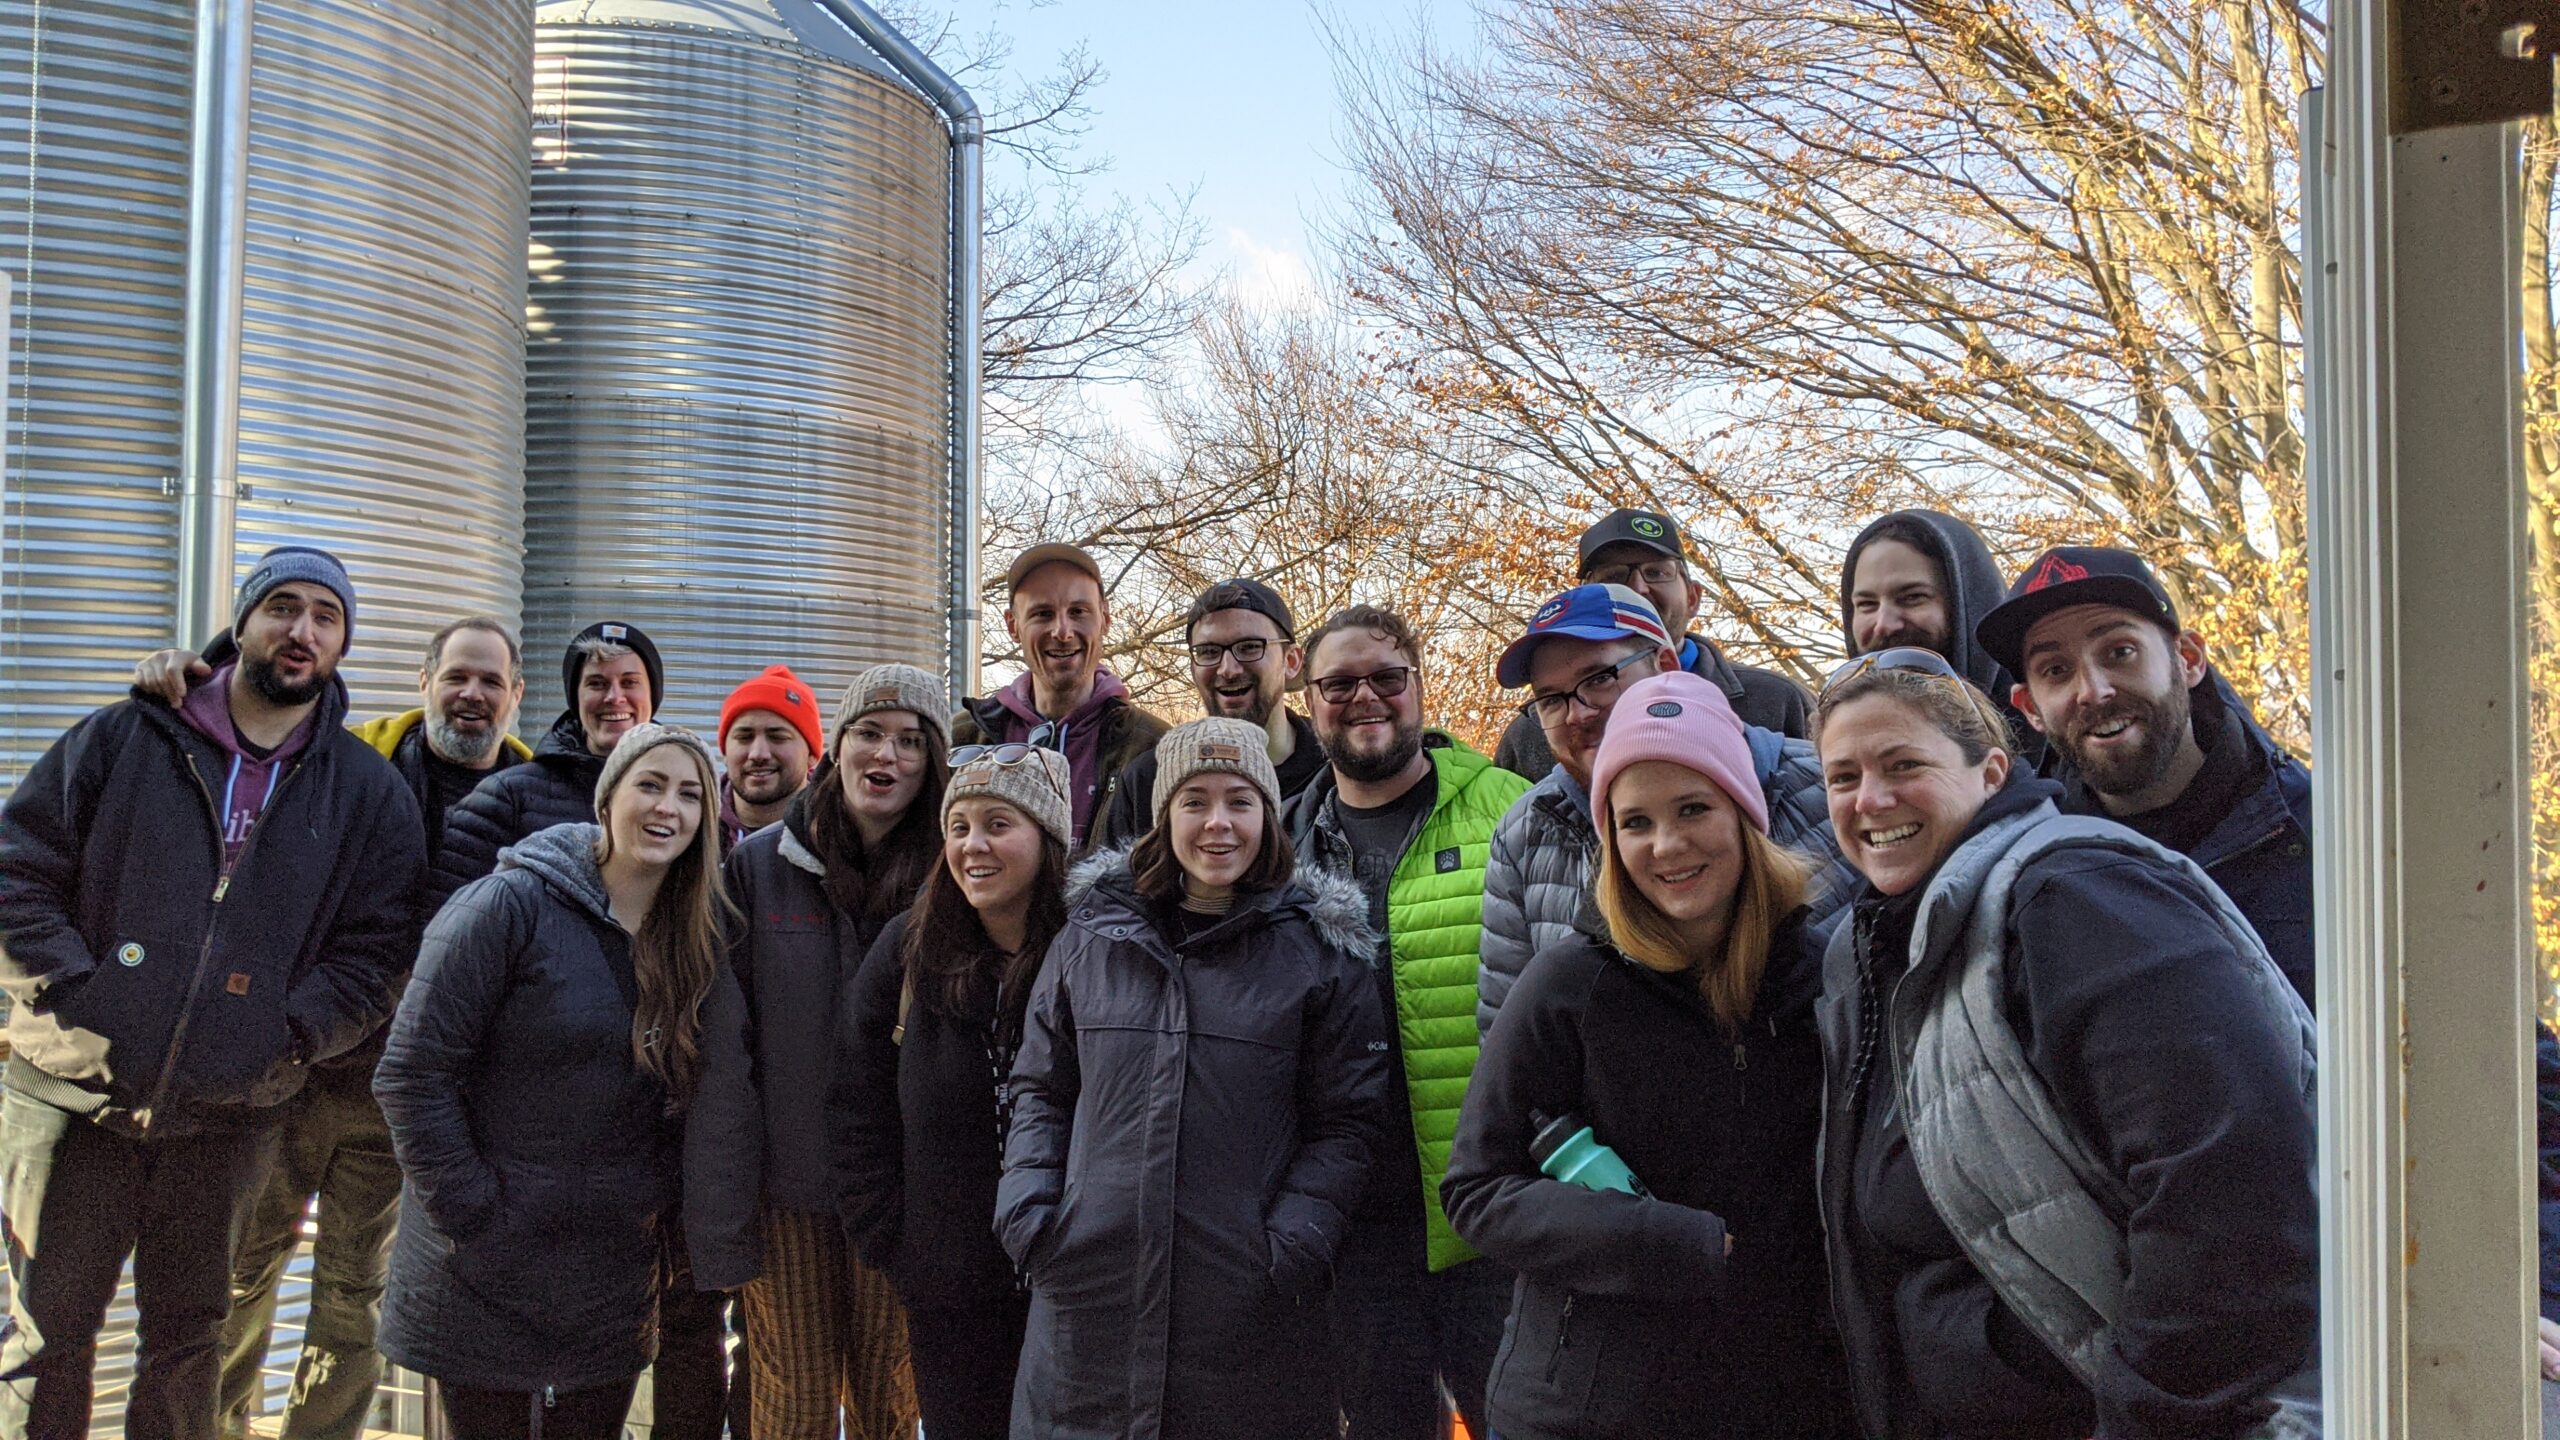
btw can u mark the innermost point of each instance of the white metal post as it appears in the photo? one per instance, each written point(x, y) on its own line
point(2419, 728)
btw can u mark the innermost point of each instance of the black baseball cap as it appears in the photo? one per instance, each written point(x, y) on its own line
point(2069, 575)
point(1648, 528)
point(1240, 594)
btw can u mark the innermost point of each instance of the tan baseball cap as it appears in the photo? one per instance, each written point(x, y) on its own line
point(1051, 554)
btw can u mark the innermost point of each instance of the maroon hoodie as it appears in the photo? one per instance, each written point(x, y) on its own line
point(240, 792)
point(1079, 734)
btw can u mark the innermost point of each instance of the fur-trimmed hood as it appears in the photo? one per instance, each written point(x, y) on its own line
point(1332, 903)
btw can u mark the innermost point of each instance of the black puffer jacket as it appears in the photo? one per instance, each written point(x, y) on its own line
point(1192, 1124)
point(152, 993)
point(918, 1139)
point(794, 956)
point(1629, 1319)
point(558, 788)
point(538, 1158)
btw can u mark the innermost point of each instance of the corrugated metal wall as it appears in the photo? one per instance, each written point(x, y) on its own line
point(93, 229)
point(382, 357)
point(737, 390)
point(382, 354)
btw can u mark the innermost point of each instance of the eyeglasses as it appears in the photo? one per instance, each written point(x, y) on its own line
point(1386, 684)
point(1591, 690)
point(1245, 651)
point(1899, 657)
point(1651, 572)
point(1011, 753)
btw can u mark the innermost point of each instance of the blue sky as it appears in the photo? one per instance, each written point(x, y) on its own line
point(1235, 99)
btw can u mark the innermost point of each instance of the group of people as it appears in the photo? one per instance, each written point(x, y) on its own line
point(1929, 1056)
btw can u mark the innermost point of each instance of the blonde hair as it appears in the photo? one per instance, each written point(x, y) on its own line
point(676, 954)
point(1774, 884)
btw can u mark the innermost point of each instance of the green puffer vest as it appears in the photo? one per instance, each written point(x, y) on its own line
point(1435, 912)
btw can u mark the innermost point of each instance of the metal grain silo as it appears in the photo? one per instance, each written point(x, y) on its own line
point(738, 382)
point(319, 336)
point(93, 181)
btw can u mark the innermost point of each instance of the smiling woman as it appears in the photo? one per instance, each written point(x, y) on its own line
point(568, 1058)
point(2085, 1029)
point(1215, 954)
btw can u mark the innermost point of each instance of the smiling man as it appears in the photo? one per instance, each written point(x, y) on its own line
point(611, 676)
point(1409, 813)
point(1245, 658)
point(770, 738)
point(2144, 731)
point(1642, 551)
point(1066, 699)
point(198, 902)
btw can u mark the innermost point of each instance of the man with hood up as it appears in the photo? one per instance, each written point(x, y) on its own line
point(1916, 577)
point(197, 903)
point(1065, 700)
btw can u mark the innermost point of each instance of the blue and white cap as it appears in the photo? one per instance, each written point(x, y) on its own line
point(1585, 612)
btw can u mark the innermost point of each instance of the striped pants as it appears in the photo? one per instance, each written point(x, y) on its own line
point(829, 1333)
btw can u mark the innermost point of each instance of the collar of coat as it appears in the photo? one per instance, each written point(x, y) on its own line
point(1330, 901)
point(565, 857)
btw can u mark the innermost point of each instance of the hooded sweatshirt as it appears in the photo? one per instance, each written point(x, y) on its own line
point(251, 779)
point(1973, 586)
point(1078, 733)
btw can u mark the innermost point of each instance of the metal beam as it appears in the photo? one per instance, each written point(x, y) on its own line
point(2419, 723)
point(217, 243)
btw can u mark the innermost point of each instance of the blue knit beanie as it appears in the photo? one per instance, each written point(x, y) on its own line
point(287, 563)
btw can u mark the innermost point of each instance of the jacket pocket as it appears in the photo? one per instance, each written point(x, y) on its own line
point(1542, 1375)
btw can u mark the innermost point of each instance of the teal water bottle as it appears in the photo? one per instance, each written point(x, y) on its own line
point(1565, 1149)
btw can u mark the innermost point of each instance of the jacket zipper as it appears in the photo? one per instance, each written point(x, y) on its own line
point(204, 952)
point(1564, 1338)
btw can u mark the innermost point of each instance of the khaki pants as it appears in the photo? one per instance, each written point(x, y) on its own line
point(829, 1335)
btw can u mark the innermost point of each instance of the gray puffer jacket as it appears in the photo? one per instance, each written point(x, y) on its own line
point(1537, 881)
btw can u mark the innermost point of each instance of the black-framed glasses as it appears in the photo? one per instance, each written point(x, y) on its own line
point(1915, 658)
point(1591, 690)
point(1386, 684)
point(1246, 652)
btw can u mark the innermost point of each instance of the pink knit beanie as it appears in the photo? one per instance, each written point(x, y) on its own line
point(1685, 719)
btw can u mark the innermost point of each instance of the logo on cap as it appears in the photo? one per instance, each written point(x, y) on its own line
point(1547, 614)
point(1646, 526)
point(1663, 709)
point(2055, 571)
point(1222, 752)
point(614, 632)
point(128, 954)
point(881, 695)
point(790, 696)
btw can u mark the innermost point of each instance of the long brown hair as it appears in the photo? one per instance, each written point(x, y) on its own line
point(873, 887)
point(956, 971)
point(677, 953)
point(1773, 885)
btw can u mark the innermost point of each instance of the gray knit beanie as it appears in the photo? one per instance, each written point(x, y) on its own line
point(894, 687)
point(1036, 785)
point(639, 740)
point(1220, 744)
point(287, 563)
